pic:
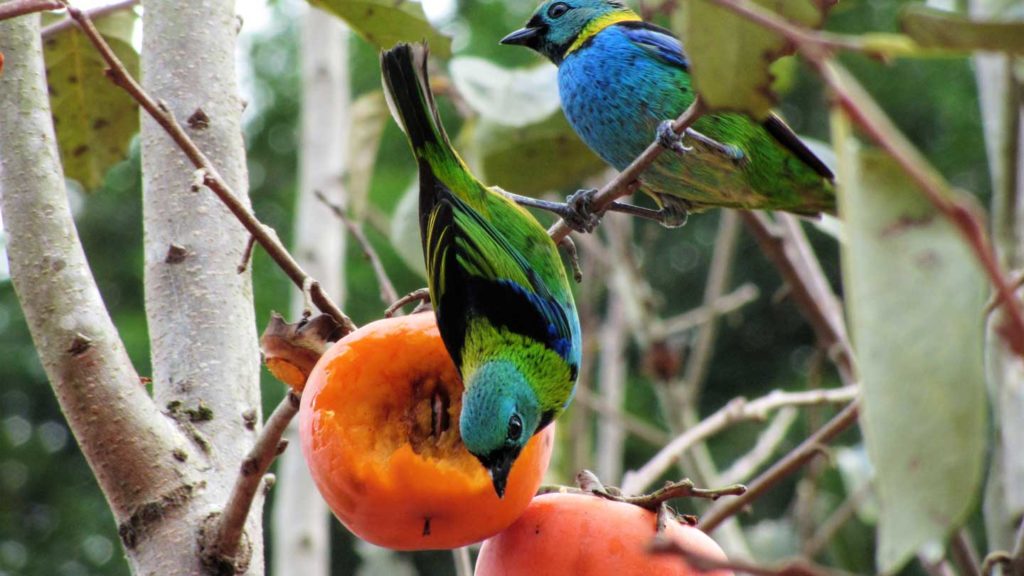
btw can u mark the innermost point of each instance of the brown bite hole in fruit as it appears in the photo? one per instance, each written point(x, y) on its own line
point(436, 405)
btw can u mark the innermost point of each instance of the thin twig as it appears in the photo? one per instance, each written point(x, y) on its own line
point(589, 483)
point(243, 264)
point(207, 173)
point(767, 443)
point(94, 13)
point(965, 555)
point(620, 185)
point(417, 295)
point(784, 467)
point(863, 110)
point(17, 8)
point(828, 529)
point(629, 423)
point(737, 410)
point(388, 294)
point(1017, 563)
point(222, 544)
point(786, 246)
point(463, 561)
point(725, 304)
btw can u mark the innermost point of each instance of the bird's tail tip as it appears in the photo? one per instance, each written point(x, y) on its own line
point(407, 91)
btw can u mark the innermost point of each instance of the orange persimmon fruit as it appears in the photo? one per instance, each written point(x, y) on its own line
point(379, 428)
point(586, 535)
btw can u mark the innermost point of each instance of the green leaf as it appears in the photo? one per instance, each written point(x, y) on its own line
point(915, 296)
point(531, 159)
point(730, 56)
point(385, 23)
point(516, 97)
point(95, 120)
point(369, 114)
point(933, 28)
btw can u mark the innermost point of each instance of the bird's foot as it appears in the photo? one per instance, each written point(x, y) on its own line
point(674, 211)
point(579, 211)
point(668, 138)
point(728, 150)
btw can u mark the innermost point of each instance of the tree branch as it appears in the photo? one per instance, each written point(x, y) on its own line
point(784, 467)
point(737, 410)
point(207, 174)
point(141, 461)
point(620, 185)
point(16, 8)
point(388, 294)
point(786, 246)
point(725, 304)
point(223, 540)
point(767, 442)
point(94, 13)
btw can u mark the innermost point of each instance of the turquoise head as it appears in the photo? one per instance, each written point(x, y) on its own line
point(557, 25)
point(500, 412)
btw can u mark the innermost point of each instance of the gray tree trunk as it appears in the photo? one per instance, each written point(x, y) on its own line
point(199, 308)
point(143, 464)
point(300, 516)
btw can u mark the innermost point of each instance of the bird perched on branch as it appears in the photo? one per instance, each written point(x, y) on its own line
point(502, 299)
point(621, 79)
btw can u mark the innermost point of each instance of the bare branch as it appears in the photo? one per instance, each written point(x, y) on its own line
point(965, 555)
point(628, 422)
point(738, 410)
point(388, 294)
point(208, 174)
point(620, 185)
point(725, 304)
point(786, 246)
point(828, 529)
point(94, 13)
point(767, 442)
point(784, 467)
point(16, 8)
point(223, 540)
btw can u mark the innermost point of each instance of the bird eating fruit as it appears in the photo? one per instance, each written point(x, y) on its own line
point(497, 284)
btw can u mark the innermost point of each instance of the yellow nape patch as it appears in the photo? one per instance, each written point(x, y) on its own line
point(598, 24)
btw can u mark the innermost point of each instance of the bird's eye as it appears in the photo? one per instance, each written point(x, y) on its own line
point(557, 10)
point(515, 427)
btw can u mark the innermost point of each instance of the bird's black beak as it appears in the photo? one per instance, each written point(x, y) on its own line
point(499, 465)
point(529, 37)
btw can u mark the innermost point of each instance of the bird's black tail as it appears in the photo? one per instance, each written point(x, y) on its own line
point(407, 88)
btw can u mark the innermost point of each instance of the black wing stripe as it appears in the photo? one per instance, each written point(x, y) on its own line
point(784, 135)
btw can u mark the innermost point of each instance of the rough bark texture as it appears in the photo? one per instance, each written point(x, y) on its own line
point(301, 519)
point(1003, 117)
point(199, 308)
point(135, 452)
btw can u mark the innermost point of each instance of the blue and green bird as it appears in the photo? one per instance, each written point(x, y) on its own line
point(620, 78)
point(497, 284)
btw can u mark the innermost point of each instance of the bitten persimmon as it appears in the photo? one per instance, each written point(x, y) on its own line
point(379, 427)
point(585, 535)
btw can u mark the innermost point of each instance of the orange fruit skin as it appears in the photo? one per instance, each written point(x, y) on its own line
point(358, 419)
point(585, 535)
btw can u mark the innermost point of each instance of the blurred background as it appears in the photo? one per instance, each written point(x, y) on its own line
point(53, 518)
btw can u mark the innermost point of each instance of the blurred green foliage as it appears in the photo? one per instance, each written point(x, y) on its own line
point(53, 519)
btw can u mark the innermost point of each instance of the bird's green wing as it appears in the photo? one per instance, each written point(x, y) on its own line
point(475, 271)
point(663, 45)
